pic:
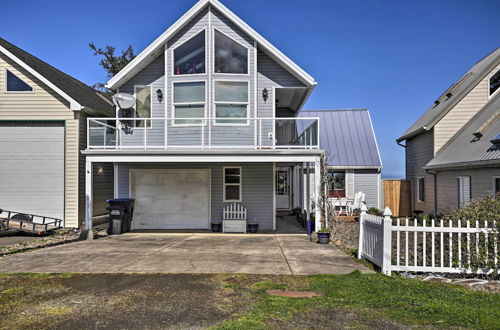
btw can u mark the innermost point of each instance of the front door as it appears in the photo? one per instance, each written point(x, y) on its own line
point(283, 185)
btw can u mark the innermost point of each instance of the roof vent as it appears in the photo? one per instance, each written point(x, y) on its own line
point(477, 136)
point(436, 103)
point(448, 95)
point(496, 141)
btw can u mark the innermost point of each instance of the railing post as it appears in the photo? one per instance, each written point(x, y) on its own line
point(387, 242)
point(361, 229)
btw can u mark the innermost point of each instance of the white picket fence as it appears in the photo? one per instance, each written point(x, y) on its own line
point(234, 219)
point(428, 246)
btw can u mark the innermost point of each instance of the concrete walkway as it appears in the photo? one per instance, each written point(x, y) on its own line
point(187, 253)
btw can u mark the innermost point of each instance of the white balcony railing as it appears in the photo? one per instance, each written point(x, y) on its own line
point(203, 133)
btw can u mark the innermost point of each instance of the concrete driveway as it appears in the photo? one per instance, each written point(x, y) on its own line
point(187, 253)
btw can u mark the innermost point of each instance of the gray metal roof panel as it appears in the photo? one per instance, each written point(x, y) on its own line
point(347, 136)
point(458, 90)
point(463, 149)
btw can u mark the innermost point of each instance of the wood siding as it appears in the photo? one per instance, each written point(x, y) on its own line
point(43, 104)
point(463, 112)
point(368, 181)
point(481, 184)
point(257, 187)
point(419, 151)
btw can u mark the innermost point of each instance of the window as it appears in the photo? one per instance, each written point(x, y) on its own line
point(421, 189)
point(494, 82)
point(232, 184)
point(189, 58)
point(15, 84)
point(464, 192)
point(230, 56)
point(496, 186)
point(189, 102)
point(337, 184)
point(142, 105)
point(231, 101)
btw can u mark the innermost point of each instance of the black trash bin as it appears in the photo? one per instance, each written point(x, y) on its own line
point(121, 211)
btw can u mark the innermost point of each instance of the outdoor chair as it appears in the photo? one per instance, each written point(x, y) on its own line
point(359, 199)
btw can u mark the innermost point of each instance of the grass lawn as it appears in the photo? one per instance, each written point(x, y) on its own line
point(226, 301)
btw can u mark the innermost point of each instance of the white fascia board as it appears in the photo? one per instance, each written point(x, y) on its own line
point(134, 66)
point(374, 136)
point(73, 105)
point(198, 158)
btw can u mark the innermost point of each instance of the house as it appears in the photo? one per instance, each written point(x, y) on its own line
point(350, 145)
point(205, 130)
point(452, 153)
point(43, 115)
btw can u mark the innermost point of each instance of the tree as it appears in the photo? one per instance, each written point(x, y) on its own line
point(110, 62)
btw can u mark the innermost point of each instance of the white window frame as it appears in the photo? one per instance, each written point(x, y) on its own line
point(16, 92)
point(214, 104)
point(150, 111)
point(203, 122)
point(489, 84)
point(213, 55)
point(494, 185)
point(460, 177)
point(172, 56)
point(418, 189)
point(232, 184)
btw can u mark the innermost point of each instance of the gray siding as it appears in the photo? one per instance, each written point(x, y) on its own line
point(257, 189)
point(419, 151)
point(447, 187)
point(367, 181)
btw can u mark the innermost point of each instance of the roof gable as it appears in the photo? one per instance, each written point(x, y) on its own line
point(157, 46)
point(453, 95)
point(348, 137)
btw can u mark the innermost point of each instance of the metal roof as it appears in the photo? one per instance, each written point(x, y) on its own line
point(466, 150)
point(347, 136)
point(453, 95)
point(80, 92)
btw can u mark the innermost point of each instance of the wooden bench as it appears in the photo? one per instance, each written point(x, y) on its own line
point(234, 219)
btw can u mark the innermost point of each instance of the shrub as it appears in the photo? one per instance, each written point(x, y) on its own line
point(375, 211)
point(486, 208)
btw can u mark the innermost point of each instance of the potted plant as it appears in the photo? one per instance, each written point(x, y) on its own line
point(324, 235)
point(253, 227)
point(216, 226)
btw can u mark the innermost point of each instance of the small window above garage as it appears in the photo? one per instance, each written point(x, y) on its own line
point(15, 84)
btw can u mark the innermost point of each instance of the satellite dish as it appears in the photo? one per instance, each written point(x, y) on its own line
point(124, 100)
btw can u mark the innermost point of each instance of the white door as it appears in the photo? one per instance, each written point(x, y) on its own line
point(171, 199)
point(32, 168)
point(283, 185)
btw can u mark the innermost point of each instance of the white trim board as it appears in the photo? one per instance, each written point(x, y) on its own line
point(147, 55)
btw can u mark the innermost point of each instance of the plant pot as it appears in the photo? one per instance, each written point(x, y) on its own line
point(253, 227)
point(323, 238)
point(216, 227)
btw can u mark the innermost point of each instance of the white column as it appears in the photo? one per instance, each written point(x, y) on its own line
point(274, 196)
point(301, 185)
point(308, 193)
point(88, 199)
point(317, 192)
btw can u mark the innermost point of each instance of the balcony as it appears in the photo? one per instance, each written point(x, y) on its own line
point(202, 133)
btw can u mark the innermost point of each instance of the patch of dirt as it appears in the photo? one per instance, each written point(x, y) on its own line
point(337, 318)
point(293, 294)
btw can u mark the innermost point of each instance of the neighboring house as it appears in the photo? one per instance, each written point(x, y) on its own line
point(42, 129)
point(205, 130)
point(451, 155)
point(350, 145)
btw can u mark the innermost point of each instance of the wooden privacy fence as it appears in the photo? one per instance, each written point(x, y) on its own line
point(397, 196)
point(417, 245)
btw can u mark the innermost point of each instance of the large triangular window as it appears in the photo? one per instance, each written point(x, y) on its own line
point(189, 58)
point(230, 56)
point(15, 84)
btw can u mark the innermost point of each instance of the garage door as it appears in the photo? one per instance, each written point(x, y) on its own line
point(32, 168)
point(171, 199)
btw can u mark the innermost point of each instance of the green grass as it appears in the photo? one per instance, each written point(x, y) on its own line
point(374, 296)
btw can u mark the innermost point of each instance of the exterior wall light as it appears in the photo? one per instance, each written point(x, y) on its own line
point(265, 94)
point(159, 95)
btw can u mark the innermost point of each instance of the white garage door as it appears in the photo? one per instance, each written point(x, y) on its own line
point(171, 199)
point(32, 168)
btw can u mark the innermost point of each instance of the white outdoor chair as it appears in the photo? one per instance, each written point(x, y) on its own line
point(359, 199)
point(234, 219)
point(343, 205)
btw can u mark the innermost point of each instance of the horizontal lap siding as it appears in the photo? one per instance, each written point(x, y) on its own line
point(257, 189)
point(367, 181)
point(45, 105)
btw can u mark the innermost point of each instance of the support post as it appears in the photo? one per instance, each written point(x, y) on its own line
point(317, 193)
point(88, 200)
point(387, 242)
point(308, 193)
point(361, 230)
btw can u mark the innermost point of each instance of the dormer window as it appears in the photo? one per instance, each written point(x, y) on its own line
point(494, 82)
point(15, 84)
point(189, 58)
point(230, 56)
